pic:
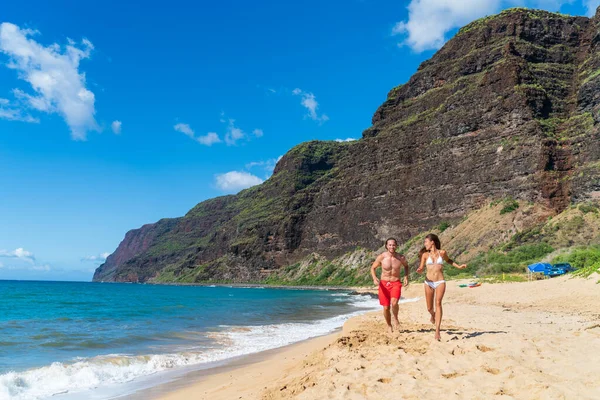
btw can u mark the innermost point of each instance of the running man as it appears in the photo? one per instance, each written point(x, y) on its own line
point(389, 285)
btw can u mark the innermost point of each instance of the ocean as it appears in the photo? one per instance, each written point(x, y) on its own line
point(97, 340)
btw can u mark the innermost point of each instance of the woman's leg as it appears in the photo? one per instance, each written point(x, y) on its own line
point(429, 298)
point(439, 296)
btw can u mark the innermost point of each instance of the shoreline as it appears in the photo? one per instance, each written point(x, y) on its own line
point(202, 374)
point(187, 383)
point(181, 350)
point(358, 289)
point(256, 369)
point(512, 340)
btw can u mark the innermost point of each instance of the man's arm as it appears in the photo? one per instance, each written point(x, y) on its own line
point(406, 270)
point(376, 264)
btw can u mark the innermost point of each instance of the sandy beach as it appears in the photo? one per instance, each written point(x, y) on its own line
point(534, 340)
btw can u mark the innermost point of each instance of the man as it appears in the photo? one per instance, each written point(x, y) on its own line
point(389, 285)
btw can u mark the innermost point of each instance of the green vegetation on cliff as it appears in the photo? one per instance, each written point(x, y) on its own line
point(508, 111)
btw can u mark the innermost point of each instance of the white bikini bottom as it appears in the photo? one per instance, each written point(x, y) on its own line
point(435, 284)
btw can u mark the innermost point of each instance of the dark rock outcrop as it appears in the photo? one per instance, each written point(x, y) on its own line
point(507, 108)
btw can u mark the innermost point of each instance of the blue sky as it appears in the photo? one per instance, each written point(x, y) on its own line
point(115, 115)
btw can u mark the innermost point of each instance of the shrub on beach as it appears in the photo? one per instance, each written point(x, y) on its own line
point(497, 261)
point(586, 260)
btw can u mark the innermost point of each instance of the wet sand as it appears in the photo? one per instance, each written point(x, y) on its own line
point(534, 340)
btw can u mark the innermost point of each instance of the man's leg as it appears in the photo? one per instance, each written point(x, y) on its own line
point(384, 300)
point(395, 308)
point(388, 318)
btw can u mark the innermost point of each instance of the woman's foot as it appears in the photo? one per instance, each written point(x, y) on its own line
point(437, 336)
point(432, 319)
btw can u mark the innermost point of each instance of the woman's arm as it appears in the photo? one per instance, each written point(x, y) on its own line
point(422, 264)
point(451, 262)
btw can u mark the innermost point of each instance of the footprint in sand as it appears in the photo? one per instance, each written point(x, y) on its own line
point(451, 375)
point(493, 371)
point(458, 351)
point(384, 380)
point(483, 348)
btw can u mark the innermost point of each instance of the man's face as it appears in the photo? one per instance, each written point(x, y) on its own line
point(391, 246)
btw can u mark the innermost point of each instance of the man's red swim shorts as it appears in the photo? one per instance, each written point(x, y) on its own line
point(387, 290)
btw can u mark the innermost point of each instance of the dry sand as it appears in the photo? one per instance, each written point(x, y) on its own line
point(535, 340)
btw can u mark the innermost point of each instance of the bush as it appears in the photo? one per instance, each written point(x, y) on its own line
point(443, 226)
point(514, 260)
point(510, 205)
point(586, 260)
point(588, 207)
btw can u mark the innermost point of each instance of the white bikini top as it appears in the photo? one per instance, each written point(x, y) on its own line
point(439, 260)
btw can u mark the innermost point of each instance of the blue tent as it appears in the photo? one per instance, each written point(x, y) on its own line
point(539, 267)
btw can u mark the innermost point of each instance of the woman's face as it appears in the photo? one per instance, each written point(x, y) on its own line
point(428, 243)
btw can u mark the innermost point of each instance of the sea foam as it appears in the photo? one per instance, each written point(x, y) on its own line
point(81, 375)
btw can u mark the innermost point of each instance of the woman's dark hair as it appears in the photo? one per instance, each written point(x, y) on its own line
point(435, 239)
point(394, 239)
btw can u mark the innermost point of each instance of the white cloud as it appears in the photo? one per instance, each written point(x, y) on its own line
point(116, 127)
point(44, 267)
point(12, 112)
point(430, 20)
point(233, 133)
point(345, 140)
point(209, 139)
point(258, 132)
point(591, 6)
point(234, 181)
point(185, 129)
point(99, 258)
point(310, 103)
point(267, 165)
point(18, 253)
point(256, 164)
point(54, 76)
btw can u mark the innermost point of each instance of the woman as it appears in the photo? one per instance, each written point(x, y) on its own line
point(433, 257)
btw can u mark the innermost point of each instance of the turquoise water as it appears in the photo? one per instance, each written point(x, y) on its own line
point(73, 337)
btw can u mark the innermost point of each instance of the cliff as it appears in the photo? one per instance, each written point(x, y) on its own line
point(508, 108)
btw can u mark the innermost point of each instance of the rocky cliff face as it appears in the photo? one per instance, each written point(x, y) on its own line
point(508, 108)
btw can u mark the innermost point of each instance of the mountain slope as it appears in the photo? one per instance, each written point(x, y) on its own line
point(506, 109)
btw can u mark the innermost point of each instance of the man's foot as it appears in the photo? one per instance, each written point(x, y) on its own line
point(390, 329)
point(396, 325)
